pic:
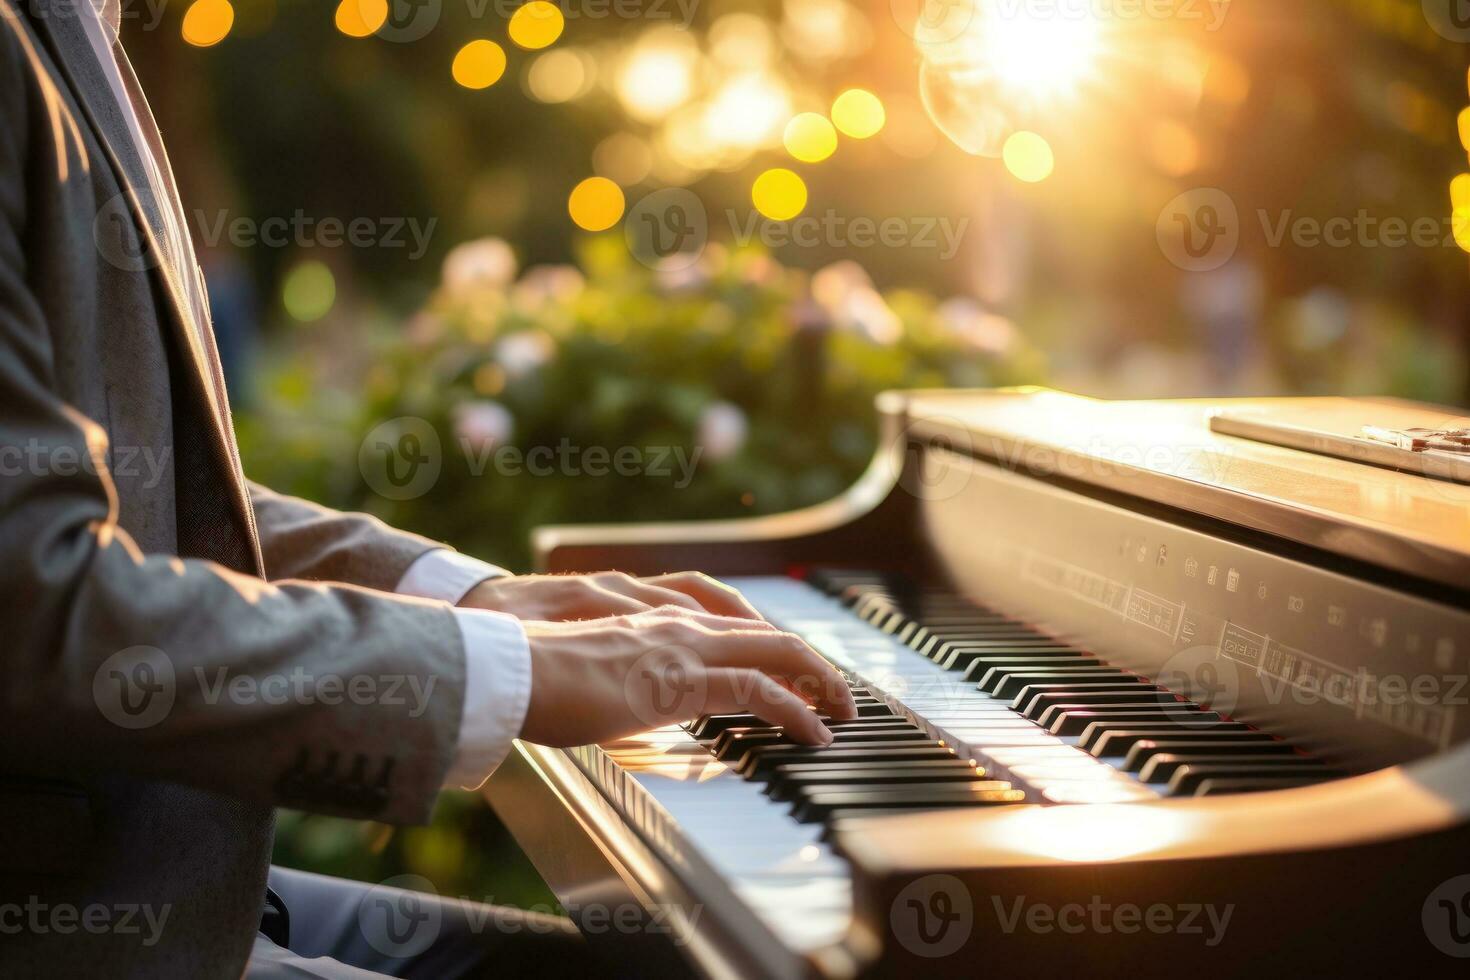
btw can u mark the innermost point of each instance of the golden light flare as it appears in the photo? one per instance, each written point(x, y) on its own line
point(858, 113)
point(361, 18)
point(1174, 149)
point(779, 194)
point(623, 158)
point(536, 25)
point(479, 64)
point(1460, 191)
point(657, 74)
point(596, 204)
point(560, 76)
point(207, 22)
point(1028, 156)
point(809, 137)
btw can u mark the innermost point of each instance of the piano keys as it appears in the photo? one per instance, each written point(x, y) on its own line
point(1104, 656)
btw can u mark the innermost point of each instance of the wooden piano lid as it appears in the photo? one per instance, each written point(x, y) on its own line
point(1165, 452)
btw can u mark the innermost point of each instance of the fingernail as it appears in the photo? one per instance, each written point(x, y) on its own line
point(826, 735)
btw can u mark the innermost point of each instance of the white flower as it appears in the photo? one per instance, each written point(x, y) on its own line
point(723, 429)
point(524, 351)
point(845, 292)
point(987, 332)
point(677, 274)
point(545, 284)
point(482, 425)
point(483, 263)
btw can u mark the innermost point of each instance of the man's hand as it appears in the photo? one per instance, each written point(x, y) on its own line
point(557, 598)
point(608, 678)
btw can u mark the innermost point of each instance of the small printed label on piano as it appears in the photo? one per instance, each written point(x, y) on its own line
point(1242, 646)
point(1155, 612)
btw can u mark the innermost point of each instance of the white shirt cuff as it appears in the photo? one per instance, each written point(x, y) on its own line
point(445, 575)
point(497, 691)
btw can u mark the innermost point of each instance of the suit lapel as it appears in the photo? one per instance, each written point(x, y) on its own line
point(61, 30)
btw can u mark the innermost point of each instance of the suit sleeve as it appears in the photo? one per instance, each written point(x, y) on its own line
point(300, 539)
point(331, 698)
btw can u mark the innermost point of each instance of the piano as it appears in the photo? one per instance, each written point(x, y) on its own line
point(1138, 697)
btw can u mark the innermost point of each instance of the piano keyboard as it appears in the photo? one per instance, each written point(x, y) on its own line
point(959, 707)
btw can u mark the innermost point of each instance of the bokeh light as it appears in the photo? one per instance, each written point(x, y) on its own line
point(560, 76)
point(858, 113)
point(309, 291)
point(361, 18)
point(1028, 157)
point(1039, 51)
point(741, 41)
point(623, 158)
point(1174, 149)
point(747, 112)
point(596, 204)
point(479, 64)
point(207, 22)
point(779, 194)
point(809, 137)
point(657, 74)
point(536, 25)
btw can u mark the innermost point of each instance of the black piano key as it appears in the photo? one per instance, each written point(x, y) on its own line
point(820, 806)
point(1044, 705)
point(1076, 721)
point(937, 649)
point(1145, 752)
point(975, 663)
point(1188, 778)
point(1116, 738)
point(1161, 766)
point(1032, 699)
point(759, 762)
point(1165, 707)
point(710, 726)
point(922, 634)
point(946, 765)
point(788, 787)
point(1221, 785)
point(733, 743)
point(1005, 683)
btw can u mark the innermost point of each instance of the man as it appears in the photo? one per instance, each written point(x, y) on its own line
point(184, 650)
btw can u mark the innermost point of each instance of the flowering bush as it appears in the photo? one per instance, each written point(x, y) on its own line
point(724, 386)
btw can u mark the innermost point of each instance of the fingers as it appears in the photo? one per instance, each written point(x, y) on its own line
point(710, 594)
point(648, 594)
point(785, 656)
point(732, 691)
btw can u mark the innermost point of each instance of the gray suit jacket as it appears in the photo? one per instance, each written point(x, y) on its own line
point(169, 639)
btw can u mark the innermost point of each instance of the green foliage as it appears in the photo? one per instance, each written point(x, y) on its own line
point(732, 386)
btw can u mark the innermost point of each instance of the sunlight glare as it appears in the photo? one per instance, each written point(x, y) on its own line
point(1038, 53)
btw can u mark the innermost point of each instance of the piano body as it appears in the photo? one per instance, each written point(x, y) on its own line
point(1202, 700)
